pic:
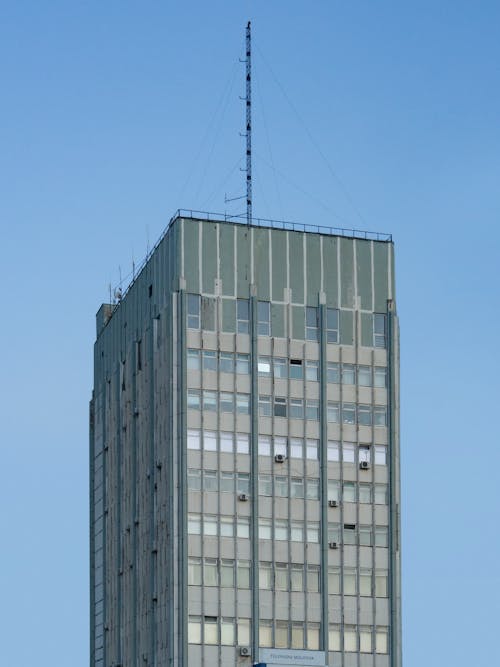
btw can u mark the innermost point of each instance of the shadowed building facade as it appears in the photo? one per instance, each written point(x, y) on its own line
point(244, 452)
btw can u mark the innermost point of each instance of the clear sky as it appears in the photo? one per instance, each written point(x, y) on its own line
point(377, 115)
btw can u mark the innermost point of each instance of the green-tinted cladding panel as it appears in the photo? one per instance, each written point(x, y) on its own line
point(364, 273)
point(296, 260)
point(261, 262)
point(313, 255)
point(330, 271)
point(227, 259)
point(242, 261)
point(346, 327)
point(191, 260)
point(367, 329)
point(229, 315)
point(380, 266)
point(279, 264)
point(346, 273)
point(209, 256)
point(278, 320)
point(298, 322)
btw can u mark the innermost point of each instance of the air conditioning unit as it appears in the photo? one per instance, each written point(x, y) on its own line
point(279, 458)
point(243, 496)
point(332, 545)
point(364, 465)
point(333, 503)
point(245, 651)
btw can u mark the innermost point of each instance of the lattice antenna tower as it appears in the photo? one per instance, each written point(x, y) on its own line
point(249, 120)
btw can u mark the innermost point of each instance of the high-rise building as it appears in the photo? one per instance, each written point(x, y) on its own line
point(244, 452)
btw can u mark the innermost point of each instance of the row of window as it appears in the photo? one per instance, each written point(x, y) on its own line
point(202, 314)
point(281, 406)
point(281, 367)
point(283, 487)
point(294, 577)
point(212, 630)
point(285, 530)
point(295, 448)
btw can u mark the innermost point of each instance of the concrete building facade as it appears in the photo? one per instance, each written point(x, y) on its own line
point(244, 452)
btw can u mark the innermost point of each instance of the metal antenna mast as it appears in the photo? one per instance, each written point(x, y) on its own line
point(249, 123)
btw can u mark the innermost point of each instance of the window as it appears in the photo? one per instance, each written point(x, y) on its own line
point(264, 406)
point(209, 360)
point(334, 638)
point(297, 578)
point(226, 442)
point(379, 330)
point(210, 577)
point(210, 630)
point(349, 533)
point(365, 493)
point(312, 371)
point(348, 374)
point(333, 373)
point(281, 486)
point(193, 399)
point(312, 449)
point(381, 536)
point(242, 316)
point(333, 489)
point(243, 631)
point(348, 452)
point(296, 370)
point(193, 360)
point(264, 366)
point(297, 487)
point(313, 489)
point(193, 439)
point(243, 526)
point(380, 415)
point(194, 630)
point(279, 406)
point(313, 636)
point(365, 536)
point(281, 577)
point(381, 494)
point(227, 526)
point(333, 412)
point(365, 376)
point(311, 323)
point(265, 576)
point(242, 443)
point(194, 479)
point(332, 325)
point(348, 413)
point(243, 404)
point(365, 639)
point(265, 633)
point(243, 574)
point(194, 571)
point(264, 318)
point(265, 485)
point(226, 482)
point(381, 587)
point(365, 582)
point(312, 409)
point(364, 453)
point(381, 642)
point(281, 634)
point(380, 376)
point(334, 532)
point(242, 482)
point(297, 635)
point(210, 400)
point(264, 445)
point(208, 313)
point(365, 415)
point(296, 448)
point(227, 634)
point(226, 402)
point(194, 524)
point(209, 524)
point(210, 480)
point(349, 493)
point(279, 445)
point(296, 408)
point(280, 367)
point(333, 450)
point(265, 529)
point(297, 531)
point(242, 364)
point(281, 529)
point(193, 311)
point(312, 532)
point(226, 362)
point(350, 639)
point(210, 441)
point(333, 580)
point(380, 455)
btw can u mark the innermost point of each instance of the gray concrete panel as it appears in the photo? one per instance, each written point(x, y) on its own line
point(279, 264)
point(261, 263)
point(227, 233)
point(209, 255)
point(330, 271)
point(313, 268)
point(296, 263)
point(191, 256)
point(364, 273)
point(381, 277)
point(347, 288)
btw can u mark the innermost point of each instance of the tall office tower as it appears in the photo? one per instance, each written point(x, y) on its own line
point(244, 452)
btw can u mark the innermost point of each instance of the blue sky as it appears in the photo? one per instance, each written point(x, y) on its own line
point(377, 115)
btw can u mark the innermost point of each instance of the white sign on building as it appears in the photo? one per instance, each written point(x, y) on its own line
point(292, 658)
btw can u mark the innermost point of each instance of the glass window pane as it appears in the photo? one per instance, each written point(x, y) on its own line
point(193, 439)
point(313, 489)
point(242, 364)
point(210, 480)
point(209, 524)
point(265, 633)
point(279, 406)
point(242, 316)
point(193, 399)
point(209, 360)
point(296, 408)
point(312, 409)
point(194, 571)
point(381, 640)
point(227, 482)
point(210, 441)
point(264, 444)
point(193, 360)
point(333, 450)
point(194, 630)
point(210, 400)
point(365, 493)
point(226, 362)
point(365, 536)
point(348, 452)
point(333, 373)
point(348, 413)
point(265, 576)
point(365, 415)
point(381, 494)
point(297, 578)
point(281, 577)
point(226, 441)
point(227, 526)
point(350, 639)
point(333, 489)
point(243, 574)
point(364, 453)
point(242, 443)
point(281, 634)
point(349, 534)
point(264, 318)
point(365, 376)
point(365, 640)
point(334, 638)
point(312, 449)
point(296, 448)
point(194, 524)
point(296, 371)
point(265, 485)
point(208, 305)
point(243, 482)
point(348, 374)
point(349, 494)
point(381, 584)
point(227, 634)
point(265, 529)
point(226, 403)
point(280, 445)
point(381, 536)
point(281, 529)
point(243, 631)
point(380, 376)
point(210, 572)
point(281, 486)
point(297, 531)
point(243, 527)
point(297, 635)
point(264, 366)
point(312, 532)
point(297, 487)
point(380, 415)
point(280, 367)
point(243, 404)
point(210, 630)
point(264, 406)
point(312, 371)
point(313, 636)
point(194, 479)
point(365, 583)
point(334, 580)
point(333, 411)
